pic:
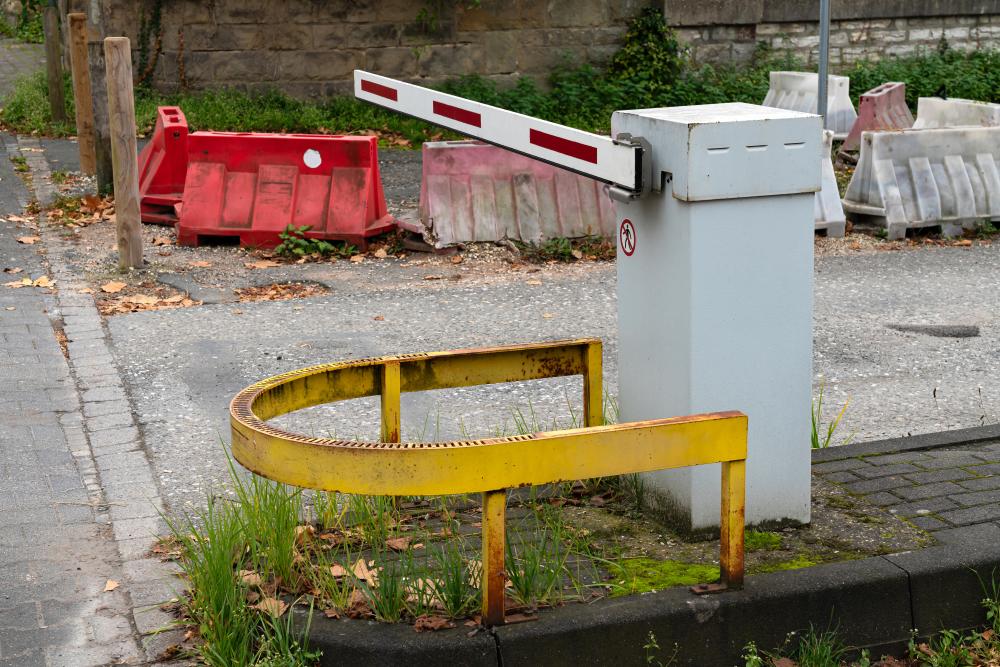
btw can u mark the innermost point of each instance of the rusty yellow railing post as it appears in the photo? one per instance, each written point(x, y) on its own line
point(391, 418)
point(593, 385)
point(494, 575)
point(733, 511)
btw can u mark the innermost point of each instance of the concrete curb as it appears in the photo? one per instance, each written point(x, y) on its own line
point(912, 443)
point(874, 603)
point(109, 448)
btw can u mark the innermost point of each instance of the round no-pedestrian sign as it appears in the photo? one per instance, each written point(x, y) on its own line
point(626, 237)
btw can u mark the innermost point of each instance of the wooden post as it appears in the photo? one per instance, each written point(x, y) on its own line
point(99, 107)
point(53, 63)
point(124, 160)
point(81, 91)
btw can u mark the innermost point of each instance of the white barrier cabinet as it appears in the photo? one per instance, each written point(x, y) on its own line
point(715, 294)
point(714, 215)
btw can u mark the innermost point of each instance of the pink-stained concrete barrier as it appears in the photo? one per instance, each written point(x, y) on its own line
point(881, 108)
point(472, 191)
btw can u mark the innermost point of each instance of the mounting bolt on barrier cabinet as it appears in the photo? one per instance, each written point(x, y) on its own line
point(714, 210)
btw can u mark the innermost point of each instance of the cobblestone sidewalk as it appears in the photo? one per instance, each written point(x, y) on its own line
point(935, 489)
point(78, 505)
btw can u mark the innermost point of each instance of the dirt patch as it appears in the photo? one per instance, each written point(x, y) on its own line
point(118, 297)
point(279, 292)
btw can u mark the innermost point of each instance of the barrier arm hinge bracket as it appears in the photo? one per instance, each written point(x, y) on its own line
point(643, 169)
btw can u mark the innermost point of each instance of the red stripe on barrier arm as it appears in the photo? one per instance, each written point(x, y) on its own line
point(564, 146)
point(379, 89)
point(456, 113)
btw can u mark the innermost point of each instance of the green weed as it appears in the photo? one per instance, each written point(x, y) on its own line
point(212, 544)
point(374, 516)
point(535, 568)
point(388, 599)
point(269, 514)
point(295, 243)
point(20, 163)
point(821, 438)
point(453, 582)
point(281, 646)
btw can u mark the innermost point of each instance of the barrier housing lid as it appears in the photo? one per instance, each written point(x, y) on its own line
point(730, 150)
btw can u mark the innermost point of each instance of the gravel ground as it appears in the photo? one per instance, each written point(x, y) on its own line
point(184, 365)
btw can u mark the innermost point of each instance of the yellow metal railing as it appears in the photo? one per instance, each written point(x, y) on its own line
point(489, 466)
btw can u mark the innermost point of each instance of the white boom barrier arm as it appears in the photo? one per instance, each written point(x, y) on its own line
point(622, 163)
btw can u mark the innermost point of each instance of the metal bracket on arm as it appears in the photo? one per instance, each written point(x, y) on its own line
point(644, 168)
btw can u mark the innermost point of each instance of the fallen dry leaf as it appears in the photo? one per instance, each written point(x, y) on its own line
point(548, 316)
point(432, 277)
point(16, 284)
point(964, 242)
point(398, 543)
point(29, 240)
point(331, 613)
point(272, 606)
point(533, 282)
point(577, 254)
point(44, 281)
point(177, 298)
point(110, 586)
point(431, 623)
point(13, 270)
point(457, 259)
point(162, 240)
point(18, 218)
point(381, 253)
point(338, 571)
point(357, 259)
point(357, 605)
point(143, 299)
point(362, 571)
point(113, 287)
point(250, 578)
point(200, 264)
point(304, 534)
point(85, 290)
point(262, 264)
point(11, 308)
point(379, 318)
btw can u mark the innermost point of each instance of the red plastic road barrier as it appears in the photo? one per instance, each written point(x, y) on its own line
point(881, 108)
point(248, 187)
point(163, 167)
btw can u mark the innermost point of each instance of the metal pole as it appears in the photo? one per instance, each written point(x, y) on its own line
point(824, 56)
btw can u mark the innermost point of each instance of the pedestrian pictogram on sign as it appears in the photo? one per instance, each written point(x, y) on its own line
point(626, 237)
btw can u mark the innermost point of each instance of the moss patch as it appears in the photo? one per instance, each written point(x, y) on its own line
point(761, 540)
point(797, 563)
point(641, 575)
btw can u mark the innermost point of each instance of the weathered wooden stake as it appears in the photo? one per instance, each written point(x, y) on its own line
point(81, 91)
point(125, 165)
point(102, 133)
point(53, 63)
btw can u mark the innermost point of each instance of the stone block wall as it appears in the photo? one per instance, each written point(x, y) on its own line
point(309, 47)
point(721, 31)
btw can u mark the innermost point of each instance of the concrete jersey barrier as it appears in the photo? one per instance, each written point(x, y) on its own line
point(829, 211)
point(881, 108)
point(934, 112)
point(471, 191)
point(799, 91)
point(923, 178)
